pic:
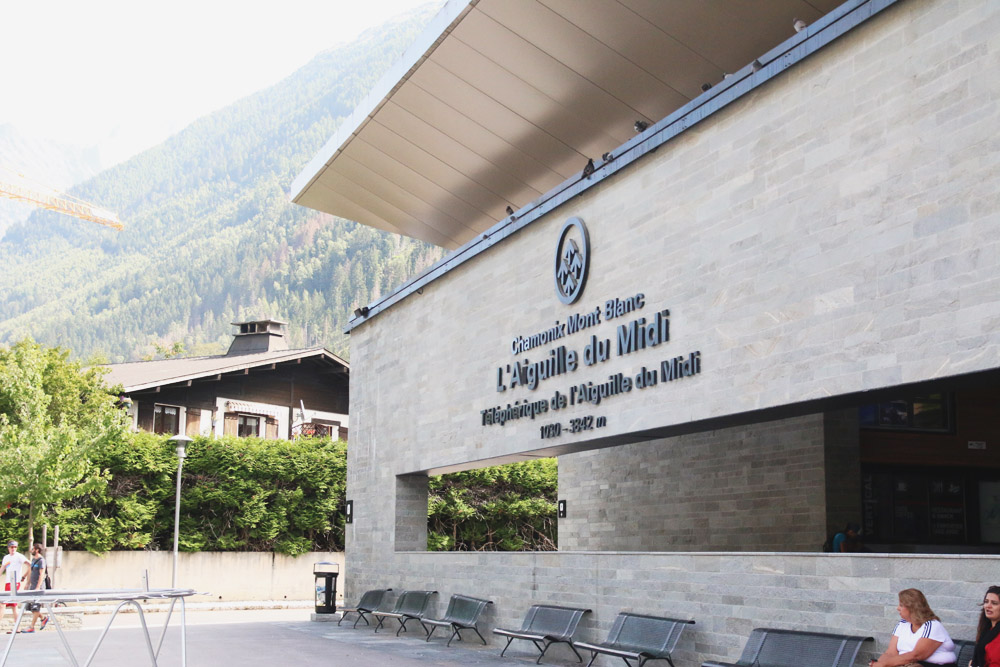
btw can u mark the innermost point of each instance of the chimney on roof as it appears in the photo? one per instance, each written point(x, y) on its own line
point(256, 336)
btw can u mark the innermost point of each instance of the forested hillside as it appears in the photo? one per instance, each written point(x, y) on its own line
point(210, 235)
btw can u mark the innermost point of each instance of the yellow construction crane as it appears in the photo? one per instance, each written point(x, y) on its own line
point(53, 200)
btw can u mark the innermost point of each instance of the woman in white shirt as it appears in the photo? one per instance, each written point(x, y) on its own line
point(919, 637)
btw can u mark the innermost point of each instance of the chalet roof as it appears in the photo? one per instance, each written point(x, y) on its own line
point(140, 375)
point(501, 101)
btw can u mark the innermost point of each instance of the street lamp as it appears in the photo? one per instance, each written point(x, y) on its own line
point(181, 441)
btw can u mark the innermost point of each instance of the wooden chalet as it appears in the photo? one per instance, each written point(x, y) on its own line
point(259, 388)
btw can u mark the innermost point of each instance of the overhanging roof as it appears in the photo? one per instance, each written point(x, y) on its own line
point(141, 375)
point(501, 101)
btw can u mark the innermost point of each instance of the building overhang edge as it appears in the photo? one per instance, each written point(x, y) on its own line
point(817, 36)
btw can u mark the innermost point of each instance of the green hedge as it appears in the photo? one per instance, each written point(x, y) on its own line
point(248, 494)
point(239, 494)
point(502, 508)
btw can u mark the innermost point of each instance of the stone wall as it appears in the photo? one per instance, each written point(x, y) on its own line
point(755, 488)
point(726, 594)
point(227, 576)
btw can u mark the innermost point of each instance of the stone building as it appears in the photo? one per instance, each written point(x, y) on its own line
point(743, 281)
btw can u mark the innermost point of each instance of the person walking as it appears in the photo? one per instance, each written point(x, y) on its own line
point(13, 564)
point(35, 581)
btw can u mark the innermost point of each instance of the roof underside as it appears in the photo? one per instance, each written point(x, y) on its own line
point(142, 375)
point(501, 101)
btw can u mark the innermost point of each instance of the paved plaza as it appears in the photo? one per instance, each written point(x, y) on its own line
point(268, 638)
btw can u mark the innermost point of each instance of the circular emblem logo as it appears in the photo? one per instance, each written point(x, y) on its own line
point(572, 260)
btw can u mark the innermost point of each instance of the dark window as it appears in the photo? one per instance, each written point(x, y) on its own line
point(989, 511)
point(248, 427)
point(166, 419)
point(931, 412)
point(915, 506)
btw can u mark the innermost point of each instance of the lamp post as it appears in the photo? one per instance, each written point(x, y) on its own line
point(181, 441)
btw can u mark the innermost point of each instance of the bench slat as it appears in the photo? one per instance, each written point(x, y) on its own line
point(369, 602)
point(769, 647)
point(548, 624)
point(409, 605)
point(517, 634)
point(639, 637)
point(607, 650)
point(964, 649)
point(462, 614)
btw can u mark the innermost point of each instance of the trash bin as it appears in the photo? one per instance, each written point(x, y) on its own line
point(325, 574)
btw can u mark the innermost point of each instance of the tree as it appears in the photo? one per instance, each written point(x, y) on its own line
point(53, 415)
point(166, 351)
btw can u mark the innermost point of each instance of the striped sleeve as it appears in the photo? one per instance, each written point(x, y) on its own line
point(935, 630)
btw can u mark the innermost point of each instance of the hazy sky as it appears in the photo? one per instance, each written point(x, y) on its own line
point(128, 74)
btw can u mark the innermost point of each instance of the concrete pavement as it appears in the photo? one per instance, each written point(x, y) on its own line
point(268, 637)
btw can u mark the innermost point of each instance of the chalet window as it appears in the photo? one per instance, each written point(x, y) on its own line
point(166, 419)
point(248, 426)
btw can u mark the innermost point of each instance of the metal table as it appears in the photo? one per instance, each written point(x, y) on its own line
point(128, 596)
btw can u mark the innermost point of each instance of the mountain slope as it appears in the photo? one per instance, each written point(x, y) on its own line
point(210, 233)
point(22, 154)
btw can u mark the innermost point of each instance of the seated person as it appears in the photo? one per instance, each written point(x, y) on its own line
point(987, 653)
point(919, 637)
point(848, 541)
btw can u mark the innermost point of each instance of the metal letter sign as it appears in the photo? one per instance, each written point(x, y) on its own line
point(572, 260)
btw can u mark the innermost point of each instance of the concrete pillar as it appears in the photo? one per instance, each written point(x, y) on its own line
point(842, 468)
point(411, 513)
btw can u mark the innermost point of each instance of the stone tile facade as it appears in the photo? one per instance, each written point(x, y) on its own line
point(763, 487)
point(832, 233)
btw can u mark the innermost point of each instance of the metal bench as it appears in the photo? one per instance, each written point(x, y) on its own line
point(369, 602)
point(768, 647)
point(545, 625)
point(640, 638)
point(410, 605)
point(964, 649)
point(462, 614)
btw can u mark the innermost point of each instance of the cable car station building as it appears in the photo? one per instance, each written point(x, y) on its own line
point(740, 314)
